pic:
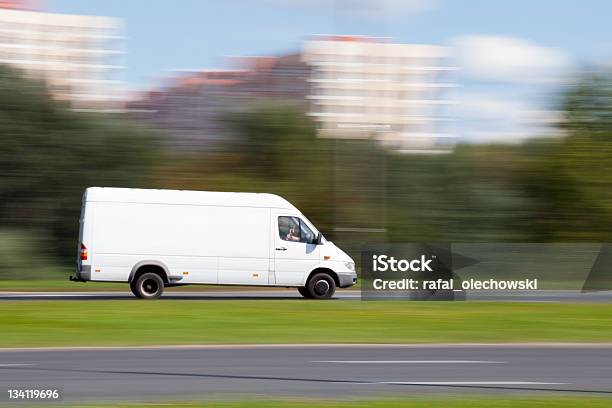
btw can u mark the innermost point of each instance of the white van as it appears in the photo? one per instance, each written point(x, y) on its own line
point(158, 238)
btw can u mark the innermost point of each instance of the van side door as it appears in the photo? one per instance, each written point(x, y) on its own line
point(295, 254)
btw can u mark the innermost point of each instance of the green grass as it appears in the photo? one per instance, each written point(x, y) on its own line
point(58, 285)
point(411, 402)
point(136, 322)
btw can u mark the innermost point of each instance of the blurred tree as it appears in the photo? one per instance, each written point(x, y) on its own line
point(277, 141)
point(549, 190)
point(469, 195)
point(20, 250)
point(571, 178)
point(49, 154)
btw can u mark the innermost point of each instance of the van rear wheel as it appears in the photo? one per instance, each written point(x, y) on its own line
point(149, 286)
point(133, 288)
point(321, 286)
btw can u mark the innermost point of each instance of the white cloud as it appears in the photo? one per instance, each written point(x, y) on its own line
point(489, 117)
point(487, 106)
point(510, 59)
point(363, 9)
point(504, 81)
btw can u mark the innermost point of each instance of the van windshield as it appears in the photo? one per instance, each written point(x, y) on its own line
point(311, 225)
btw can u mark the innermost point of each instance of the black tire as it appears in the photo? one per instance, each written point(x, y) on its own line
point(133, 288)
point(304, 292)
point(149, 286)
point(321, 286)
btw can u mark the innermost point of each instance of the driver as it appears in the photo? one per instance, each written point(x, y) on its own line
point(292, 236)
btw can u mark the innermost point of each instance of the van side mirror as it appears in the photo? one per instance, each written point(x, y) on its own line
point(319, 239)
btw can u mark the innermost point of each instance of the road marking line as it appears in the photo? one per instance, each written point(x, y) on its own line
point(470, 383)
point(15, 365)
point(409, 362)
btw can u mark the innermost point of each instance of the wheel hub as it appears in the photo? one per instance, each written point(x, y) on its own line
point(149, 287)
point(321, 287)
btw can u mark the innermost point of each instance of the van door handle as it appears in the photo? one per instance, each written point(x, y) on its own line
point(281, 249)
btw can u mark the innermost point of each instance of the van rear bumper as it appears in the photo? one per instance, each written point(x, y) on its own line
point(347, 279)
point(82, 275)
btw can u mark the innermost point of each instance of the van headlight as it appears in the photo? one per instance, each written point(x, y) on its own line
point(350, 266)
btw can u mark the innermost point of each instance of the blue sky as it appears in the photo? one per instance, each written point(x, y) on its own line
point(189, 34)
point(165, 35)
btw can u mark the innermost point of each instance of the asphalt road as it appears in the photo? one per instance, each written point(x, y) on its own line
point(515, 296)
point(315, 371)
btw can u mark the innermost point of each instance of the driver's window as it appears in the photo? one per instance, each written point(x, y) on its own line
point(293, 229)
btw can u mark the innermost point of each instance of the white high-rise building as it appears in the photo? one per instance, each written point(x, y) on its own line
point(362, 87)
point(79, 57)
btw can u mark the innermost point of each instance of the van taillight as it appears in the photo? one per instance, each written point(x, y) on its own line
point(83, 252)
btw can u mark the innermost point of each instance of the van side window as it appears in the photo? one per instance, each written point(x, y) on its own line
point(295, 230)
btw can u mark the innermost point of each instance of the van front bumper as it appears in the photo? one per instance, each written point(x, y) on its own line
point(346, 280)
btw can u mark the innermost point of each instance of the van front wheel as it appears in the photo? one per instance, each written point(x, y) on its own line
point(321, 286)
point(149, 286)
point(304, 292)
